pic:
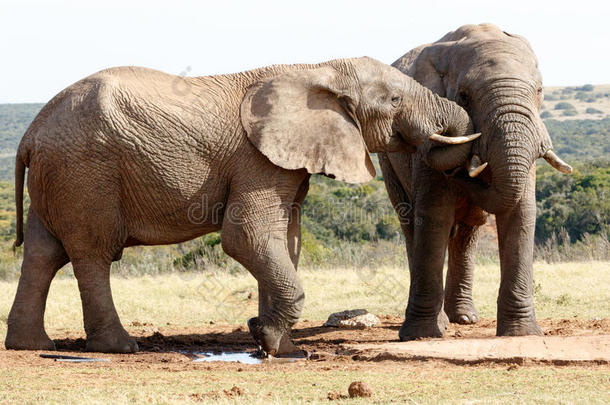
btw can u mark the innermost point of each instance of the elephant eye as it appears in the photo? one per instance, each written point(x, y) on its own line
point(463, 99)
point(395, 100)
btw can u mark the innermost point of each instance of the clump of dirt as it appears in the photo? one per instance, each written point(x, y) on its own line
point(360, 389)
point(234, 392)
point(335, 395)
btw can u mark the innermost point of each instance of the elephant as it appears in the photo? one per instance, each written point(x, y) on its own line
point(494, 76)
point(133, 156)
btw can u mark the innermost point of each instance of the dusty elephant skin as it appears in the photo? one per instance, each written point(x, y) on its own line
point(494, 76)
point(132, 156)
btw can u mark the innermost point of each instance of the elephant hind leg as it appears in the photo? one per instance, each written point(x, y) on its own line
point(43, 256)
point(459, 305)
point(102, 324)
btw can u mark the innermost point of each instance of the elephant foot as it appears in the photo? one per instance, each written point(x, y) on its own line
point(112, 341)
point(272, 340)
point(415, 328)
point(27, 340)
point(462, 312)
point(520, 327)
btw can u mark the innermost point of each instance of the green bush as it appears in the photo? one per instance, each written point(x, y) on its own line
point(592, 110)
point(569, 113)
point(207, 253)
point(564, 106)
point(546, 114)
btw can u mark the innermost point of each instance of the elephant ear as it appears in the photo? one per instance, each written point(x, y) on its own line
point(305, 119)
point(427, 65)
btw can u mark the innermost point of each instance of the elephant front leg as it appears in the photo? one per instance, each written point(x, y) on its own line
point(282, 296)
point(459, 305)
point(434, 215)
point(258, 240)
point(516, 316)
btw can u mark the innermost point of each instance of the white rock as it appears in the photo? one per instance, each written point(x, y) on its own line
point(352, 318)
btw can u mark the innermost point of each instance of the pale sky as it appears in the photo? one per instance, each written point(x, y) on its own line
point(47, 45)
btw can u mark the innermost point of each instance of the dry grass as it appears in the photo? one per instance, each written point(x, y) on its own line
point(424, 383)
point(562, 290)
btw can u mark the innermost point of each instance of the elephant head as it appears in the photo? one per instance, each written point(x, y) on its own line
point(327, 118)
point(494, 76)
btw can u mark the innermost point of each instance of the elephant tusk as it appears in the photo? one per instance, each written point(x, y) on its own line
point(453, 140)
point(475, 167)
point(556, 162)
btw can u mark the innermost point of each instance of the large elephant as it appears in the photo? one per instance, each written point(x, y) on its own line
point(132, 156)
point(494, 76)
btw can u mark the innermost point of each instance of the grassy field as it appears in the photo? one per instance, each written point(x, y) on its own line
point(426, 383)
point(595, 101)
point(566, 290)
point(562, 290)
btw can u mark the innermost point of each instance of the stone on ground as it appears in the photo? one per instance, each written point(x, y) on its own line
point(359, 389)
point(360, 318)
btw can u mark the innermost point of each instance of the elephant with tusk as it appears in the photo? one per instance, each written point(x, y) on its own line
point(494, 76)
point(121, 157)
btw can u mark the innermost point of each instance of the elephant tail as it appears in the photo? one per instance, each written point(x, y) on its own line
point(19, 182)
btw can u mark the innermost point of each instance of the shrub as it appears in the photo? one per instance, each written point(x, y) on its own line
point(569, 113)
point(564, 106)
point(546, 114)
point(592, 110)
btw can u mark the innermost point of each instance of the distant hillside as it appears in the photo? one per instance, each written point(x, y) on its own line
point(576, 102)
point(577, 117)
point(14, 120)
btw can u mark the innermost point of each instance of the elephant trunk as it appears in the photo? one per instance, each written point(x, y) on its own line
point(451, 121)
point(512, 145)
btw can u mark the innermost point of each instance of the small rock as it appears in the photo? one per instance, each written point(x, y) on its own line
point(360, 389)
point(352, 318)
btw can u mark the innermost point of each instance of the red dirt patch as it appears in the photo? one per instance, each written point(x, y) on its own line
point(168, 348)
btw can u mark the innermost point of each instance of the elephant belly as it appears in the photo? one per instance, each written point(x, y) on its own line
point(172, 213)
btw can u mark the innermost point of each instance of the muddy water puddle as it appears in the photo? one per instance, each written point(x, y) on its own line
point(239, 357)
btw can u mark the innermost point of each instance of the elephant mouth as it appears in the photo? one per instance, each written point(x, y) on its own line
point(466, 182)
point(398, 142)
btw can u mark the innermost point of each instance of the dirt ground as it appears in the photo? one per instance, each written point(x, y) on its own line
point(164, 371)
point(171, 346)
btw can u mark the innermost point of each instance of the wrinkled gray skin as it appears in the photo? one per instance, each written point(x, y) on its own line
point(132, 156)
point(494, 76)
